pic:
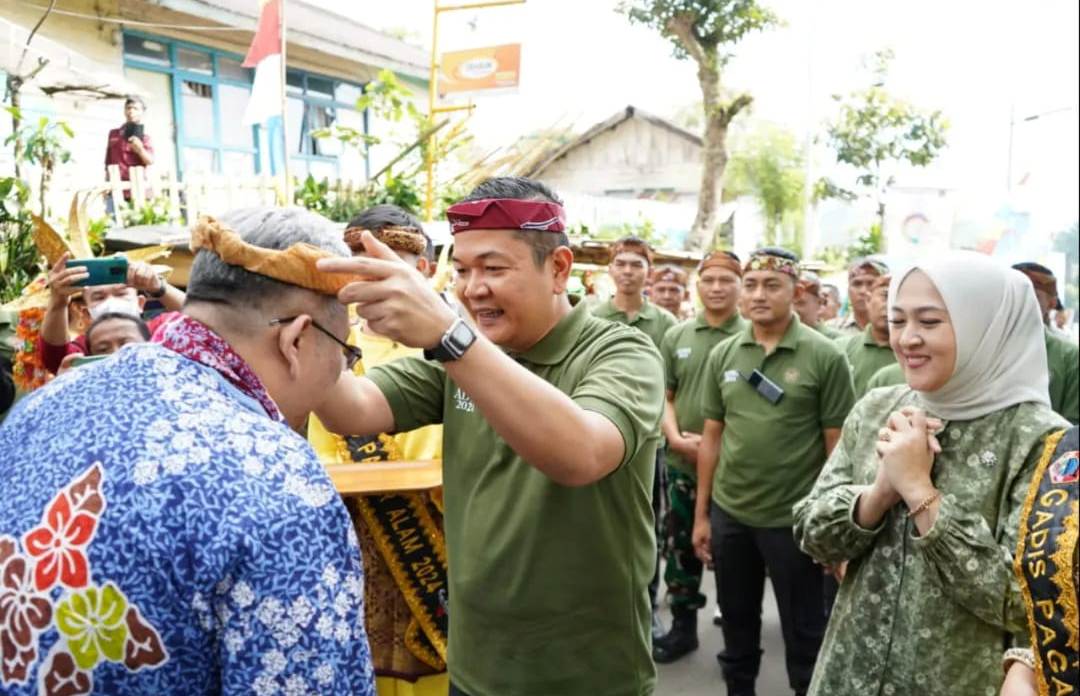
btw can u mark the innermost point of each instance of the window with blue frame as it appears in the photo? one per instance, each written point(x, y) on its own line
point(210, 89)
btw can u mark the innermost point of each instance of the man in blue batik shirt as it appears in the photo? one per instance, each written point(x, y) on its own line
point(163, 528)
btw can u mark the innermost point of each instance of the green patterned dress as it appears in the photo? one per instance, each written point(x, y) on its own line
point(924, 615)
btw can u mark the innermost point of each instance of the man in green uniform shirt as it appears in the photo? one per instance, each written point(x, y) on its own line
point(830, 301)
point(776, 396)
point(631, 263)
point(1062, 355)
point(631, 260)
point(550, 418)
point(869, 351)
point(685, 350)
point(810, 305)
point(669, 288)
point(861, 276)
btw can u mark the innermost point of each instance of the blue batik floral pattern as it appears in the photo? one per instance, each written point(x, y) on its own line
point(160, 534)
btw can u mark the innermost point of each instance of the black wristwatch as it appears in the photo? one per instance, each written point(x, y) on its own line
point(160, 292)
point(453, 344)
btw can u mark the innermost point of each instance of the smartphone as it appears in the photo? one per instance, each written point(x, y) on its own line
point(766, 387)
point(87, 360)
point(135, 129)
point(102, 271)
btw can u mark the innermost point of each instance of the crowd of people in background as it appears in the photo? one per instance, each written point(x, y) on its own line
point(900, 472)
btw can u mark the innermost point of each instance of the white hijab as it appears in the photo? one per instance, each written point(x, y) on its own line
point(1000, 345)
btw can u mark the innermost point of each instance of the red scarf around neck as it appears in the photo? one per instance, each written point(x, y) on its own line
point(195, 341)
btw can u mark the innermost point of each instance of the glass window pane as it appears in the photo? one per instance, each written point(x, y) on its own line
point(323, 170)
point(294, 83)
point(233, 100)
point(194, 61)
point(229, 69)
point(320, 87)
point(298, 168)
point(322, 117)
point(348, 94)
point(197, 109)
point(146, 50)
point(294, 125)
point(199, 160)
point(238, 164)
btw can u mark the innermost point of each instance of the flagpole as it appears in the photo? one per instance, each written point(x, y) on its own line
point(284, 110)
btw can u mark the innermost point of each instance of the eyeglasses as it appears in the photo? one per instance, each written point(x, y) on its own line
point(352, 353)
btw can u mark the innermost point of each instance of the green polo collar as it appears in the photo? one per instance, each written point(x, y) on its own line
point(868, 337)
point(790, 340)
point(553, 348)
point(727, 327)
point(648, 311)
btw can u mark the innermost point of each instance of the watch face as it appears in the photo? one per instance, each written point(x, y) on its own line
point(462, 335)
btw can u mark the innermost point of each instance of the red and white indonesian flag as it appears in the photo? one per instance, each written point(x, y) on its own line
point(265, 56)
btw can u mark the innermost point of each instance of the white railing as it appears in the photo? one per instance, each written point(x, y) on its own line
point(195, 195)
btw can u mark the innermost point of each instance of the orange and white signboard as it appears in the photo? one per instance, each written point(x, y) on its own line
point(482, 70)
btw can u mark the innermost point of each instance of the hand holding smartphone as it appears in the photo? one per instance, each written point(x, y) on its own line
point(110, 271)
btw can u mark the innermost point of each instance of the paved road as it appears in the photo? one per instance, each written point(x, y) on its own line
point(698, 674)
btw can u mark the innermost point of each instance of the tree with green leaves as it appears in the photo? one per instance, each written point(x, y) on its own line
point(767, 164)
point(874, 133)
point(43, 143)
point(706, 31)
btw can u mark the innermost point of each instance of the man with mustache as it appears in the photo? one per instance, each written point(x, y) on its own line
point(775, 399)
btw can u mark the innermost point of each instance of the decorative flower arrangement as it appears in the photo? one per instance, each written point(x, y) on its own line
point(28, 371)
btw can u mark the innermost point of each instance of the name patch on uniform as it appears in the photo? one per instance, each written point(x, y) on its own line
point(683, 353)
point(731, 376)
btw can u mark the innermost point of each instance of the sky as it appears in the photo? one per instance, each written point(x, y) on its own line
point(983, 64)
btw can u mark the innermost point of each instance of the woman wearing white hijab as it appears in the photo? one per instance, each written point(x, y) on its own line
point(921, 499)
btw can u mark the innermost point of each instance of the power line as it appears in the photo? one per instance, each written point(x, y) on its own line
point(137, 23)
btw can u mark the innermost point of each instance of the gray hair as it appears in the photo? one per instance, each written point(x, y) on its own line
point(216, 282)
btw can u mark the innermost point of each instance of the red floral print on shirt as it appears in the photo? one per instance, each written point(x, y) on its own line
point(95, 623)
point(59, 545)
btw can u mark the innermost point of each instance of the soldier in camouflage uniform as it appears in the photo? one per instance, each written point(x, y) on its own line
point(685, 350)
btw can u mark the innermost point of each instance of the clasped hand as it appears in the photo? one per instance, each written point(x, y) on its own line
point(906, 448)
point(395, 300)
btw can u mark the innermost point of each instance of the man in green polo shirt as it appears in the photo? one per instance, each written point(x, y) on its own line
point(685, 350)
point(1062, 355)
point(550, 418)
point(809, 305)
point(775, 399)
point(669, 288)
point(862, 273)
point(631, 263)
point(869, 351)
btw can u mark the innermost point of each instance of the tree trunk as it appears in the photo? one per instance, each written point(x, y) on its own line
point(714, 160)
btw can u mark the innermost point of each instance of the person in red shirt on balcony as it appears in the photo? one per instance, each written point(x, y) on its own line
point(129, 145)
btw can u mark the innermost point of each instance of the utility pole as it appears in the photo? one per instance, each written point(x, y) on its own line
point(429, 194)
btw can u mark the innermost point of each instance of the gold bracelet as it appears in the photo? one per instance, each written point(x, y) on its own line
point(925, 504)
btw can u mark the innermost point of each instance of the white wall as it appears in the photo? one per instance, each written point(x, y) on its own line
point(634, 155)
